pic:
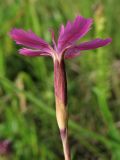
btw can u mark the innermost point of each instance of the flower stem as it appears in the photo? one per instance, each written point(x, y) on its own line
point(64, 138)
point(60, 85)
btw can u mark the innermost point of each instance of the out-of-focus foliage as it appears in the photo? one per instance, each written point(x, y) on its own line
point(27, 116)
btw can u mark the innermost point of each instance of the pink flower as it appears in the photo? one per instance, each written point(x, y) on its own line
point(64, 48)
point(5, 147)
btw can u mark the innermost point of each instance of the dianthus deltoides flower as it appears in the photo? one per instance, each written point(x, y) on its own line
point(5, 147)
point(64, 48)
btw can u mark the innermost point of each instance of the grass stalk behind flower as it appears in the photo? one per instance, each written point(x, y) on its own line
point(102, 88)
point(2, 62)
point(33, 20)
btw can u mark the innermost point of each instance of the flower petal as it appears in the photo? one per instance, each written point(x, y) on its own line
point(29, 39)
point(53, 38)
point(32, 53)
point(73, 31)
point(71, 53)
point(96, 43)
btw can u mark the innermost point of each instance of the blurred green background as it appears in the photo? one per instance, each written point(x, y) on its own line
point(27, 116)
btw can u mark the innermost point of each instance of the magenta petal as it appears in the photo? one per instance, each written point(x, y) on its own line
point(53, 39)
point(32, 53)
point(71, 53)
point(96, 43)
point(73, 31)
point(29, 39)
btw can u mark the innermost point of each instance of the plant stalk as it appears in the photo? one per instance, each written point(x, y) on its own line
point(60, 86)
